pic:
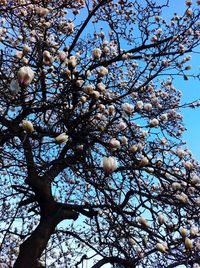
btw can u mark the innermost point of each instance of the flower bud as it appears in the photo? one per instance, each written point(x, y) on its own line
point(183, 232)
point(62, 138)
point(154, 122)
point(72, 63)
point(27, 126)
point(47, 58)
point(161, 219)
point(183, 198)
point(162, 248)
point(143, 222)
point(194, 231)
point(109, 164)
point(25, 76)
point(96, 54)
point(114, 143)
point(103, 71)
point(188, 243)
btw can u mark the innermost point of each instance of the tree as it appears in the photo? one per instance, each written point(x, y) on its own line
point(92, 157)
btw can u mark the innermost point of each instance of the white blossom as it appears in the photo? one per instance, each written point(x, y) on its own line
point(25, 75)
point(109, 164)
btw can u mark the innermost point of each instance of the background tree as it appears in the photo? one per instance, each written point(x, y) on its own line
point(92, 157)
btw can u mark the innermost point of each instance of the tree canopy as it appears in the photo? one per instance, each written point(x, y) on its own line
point(92, 159)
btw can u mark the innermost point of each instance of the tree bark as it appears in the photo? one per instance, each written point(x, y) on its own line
point(31, 249)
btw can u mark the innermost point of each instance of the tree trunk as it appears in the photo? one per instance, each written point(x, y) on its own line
point(32, 248)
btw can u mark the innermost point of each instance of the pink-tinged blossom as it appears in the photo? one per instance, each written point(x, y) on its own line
point(25, 76)
point(114, 143)
point(127, 108)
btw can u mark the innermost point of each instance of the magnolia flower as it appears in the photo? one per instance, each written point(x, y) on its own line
point(131, 241)
point(26, 49)
point(101, 87)
point(14, 87)
point(162, 248)
point(133, 148)
point(183, 232)
point(139, 104)
point(103, 71)
point(109, 164)
point(96, 53)
point(197, 201)
point(127, 108)
point(180, 153)
point(27, 126)
point(88, 89)
point(70, 27)
point(96, 94)
point(161, 219)
point(189, 12)
point(176, 186)
point(124, 140)
point(62, 138)
point(188, 243)
point(183, 198)
point(42, 11)
point(72, 63)
point(143, 222)
point(62, 56)
point(25, 76)
point(154, 39)
point(79, 83)
point(154, 122)
point(188, 165)
point(195, 179)
point(188, 2)
point(144, 161)
point(194, 231)
point(47, 58)
point(121, 125)
point(164, 117)
point(114, 143)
